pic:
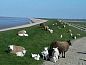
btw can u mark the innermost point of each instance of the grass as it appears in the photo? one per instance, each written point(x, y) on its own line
point(34, 43)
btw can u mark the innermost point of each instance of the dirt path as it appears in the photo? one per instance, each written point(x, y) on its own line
point(76, 55)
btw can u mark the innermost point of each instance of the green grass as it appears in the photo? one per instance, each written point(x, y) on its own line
point(34, 43)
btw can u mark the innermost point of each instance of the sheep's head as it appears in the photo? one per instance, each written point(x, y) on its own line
point(69, 42)
point(55, 49)
point(11, 47)
point(45, 48)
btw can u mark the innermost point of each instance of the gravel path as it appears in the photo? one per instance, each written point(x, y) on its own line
point(76, 55)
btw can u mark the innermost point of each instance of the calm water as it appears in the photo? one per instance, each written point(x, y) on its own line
point(6, 22)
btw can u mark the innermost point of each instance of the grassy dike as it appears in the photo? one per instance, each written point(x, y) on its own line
point(34, 43)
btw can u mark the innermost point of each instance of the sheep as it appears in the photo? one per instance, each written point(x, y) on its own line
point(18, 50)
point(55, 55)
point(22, 33)
point(74, 37)
point(64, 26)
point(35, 56)
point(63, 46)
point(50, 30)
point(56, 23)
point(61, 36)
point(46, 28)
point(71, 34)
point(53, 24)
point(70, 30)
point(45, 53)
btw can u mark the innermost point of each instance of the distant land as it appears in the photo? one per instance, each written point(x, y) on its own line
point(72, 20)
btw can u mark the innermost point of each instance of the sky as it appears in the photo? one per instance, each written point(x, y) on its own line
point(44, 8)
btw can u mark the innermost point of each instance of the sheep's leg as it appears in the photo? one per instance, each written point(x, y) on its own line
point(64, 54)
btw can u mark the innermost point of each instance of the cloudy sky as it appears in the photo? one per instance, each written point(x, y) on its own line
point(43, 8)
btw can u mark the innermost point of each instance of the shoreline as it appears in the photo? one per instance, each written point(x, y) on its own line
point(35, 22)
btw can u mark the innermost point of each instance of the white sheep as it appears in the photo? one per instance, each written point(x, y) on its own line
point(45, 53)
point(36, 56)
point(74, 37)
point(71, 34)
point(55, 55)
point(61, 36)
point(50, 30)
point(22, 33)
point(53, 24)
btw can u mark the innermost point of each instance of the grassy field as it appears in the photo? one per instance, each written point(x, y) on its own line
point(34, 43)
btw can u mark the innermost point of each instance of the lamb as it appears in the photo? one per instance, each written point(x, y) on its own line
point(63, 46)
point(18, 50)
point(45, 53)
point(55, 55)
point(50, 30)
point(36, 56)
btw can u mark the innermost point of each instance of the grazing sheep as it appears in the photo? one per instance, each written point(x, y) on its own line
point(63, 46)
point(50, 30)
point(55, 55)
point(20, 51)
point(45, 53)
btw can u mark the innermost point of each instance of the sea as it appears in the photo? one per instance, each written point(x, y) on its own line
point(7, 22)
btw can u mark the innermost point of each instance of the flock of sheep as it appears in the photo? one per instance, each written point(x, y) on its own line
point(52, 53)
